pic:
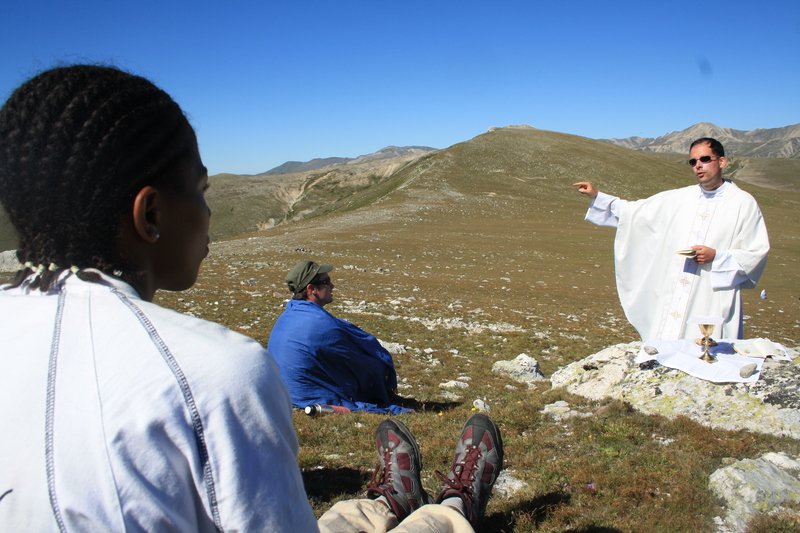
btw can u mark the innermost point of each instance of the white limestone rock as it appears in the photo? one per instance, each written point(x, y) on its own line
point(523, 368)
point(556, 408)
point(449, 396)
point(8, 261)
point(771, 405)
point(453, 384)
point(394, 348)
point(507, 485)
point(748, 370)
point(752, 486)
point(561, 410)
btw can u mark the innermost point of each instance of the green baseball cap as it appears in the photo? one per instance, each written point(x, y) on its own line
point(303, 272)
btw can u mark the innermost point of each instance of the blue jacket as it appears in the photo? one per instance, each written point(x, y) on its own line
point(327, 360)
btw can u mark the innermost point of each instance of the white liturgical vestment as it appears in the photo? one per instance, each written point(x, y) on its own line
point(661, 290)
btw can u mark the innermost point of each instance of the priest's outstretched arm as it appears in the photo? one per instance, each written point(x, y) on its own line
point(603, 210)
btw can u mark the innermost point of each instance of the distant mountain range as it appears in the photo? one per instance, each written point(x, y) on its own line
point(286, 194)
point(389, 152)
point(783, 143)
point(772, 142)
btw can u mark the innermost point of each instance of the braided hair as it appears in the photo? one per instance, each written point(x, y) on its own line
point(76, 145)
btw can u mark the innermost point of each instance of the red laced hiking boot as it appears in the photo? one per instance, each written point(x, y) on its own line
point(478, 462)
point(397, 476)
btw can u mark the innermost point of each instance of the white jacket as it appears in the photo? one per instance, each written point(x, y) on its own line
point(119, 415)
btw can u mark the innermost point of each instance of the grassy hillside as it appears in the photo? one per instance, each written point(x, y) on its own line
point(479, 253)
point(781, 174)
point(243, 204)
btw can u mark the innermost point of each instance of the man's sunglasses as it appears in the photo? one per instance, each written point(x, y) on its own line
point(703, 159)
point(322, 282)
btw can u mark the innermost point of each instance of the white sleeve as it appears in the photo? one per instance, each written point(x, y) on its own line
point(742, 263)
point(726, 272)
point(603, 211)
point(252, 438)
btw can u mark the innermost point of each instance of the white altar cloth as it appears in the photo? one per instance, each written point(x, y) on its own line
point(684, 355)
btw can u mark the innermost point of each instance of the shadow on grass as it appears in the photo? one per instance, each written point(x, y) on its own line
point(537, 511)
point(323, 485)
point(434, 407)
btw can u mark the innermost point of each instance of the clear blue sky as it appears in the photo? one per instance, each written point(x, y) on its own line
point(267, 82)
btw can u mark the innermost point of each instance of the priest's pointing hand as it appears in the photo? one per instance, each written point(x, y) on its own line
point(585, 187)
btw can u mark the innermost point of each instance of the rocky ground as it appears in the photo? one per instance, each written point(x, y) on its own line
point(771, 405)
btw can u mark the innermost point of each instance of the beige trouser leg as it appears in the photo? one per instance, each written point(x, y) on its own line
point(373, 516)
point(357, 515)
point(436, 519)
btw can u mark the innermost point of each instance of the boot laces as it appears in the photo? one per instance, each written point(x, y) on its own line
point(463, 472)
point(382, 477)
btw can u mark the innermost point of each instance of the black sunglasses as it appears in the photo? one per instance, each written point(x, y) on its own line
point(702, 159)
point(322, 282)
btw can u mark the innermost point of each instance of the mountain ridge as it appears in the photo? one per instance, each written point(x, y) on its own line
point(783, 142)
point(319, 163)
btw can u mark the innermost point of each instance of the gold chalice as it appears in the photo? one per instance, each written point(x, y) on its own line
point(706, 330)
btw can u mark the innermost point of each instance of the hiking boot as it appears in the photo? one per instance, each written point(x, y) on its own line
point(478, 462)
point(397, 476)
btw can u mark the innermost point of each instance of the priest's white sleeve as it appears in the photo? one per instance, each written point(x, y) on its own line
point(742, 264)
point(604, 210)
point(726, 272)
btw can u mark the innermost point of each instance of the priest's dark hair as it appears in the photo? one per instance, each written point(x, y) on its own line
point(76, 145)
point(715, 145)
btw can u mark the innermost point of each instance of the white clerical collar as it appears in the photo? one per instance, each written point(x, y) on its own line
point(716, 193)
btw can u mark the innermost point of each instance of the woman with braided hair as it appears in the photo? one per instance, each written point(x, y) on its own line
point(117, 414)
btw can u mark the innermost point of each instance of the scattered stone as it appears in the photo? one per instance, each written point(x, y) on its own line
point(453, 384)
point(433, 324)
point(556, 409)
point(771, 405)
point(394, 348)
point(507, 485)
point(753, 486)
point(8, 261)
point(481, 405)
point(523, 368)
point(748, 370)
point(449, 396)
point(650, 350)
point(561, 410)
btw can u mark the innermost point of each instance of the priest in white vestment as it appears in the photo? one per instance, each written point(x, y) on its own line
point(715, 224)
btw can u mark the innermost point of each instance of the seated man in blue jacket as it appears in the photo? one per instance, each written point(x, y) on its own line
point(324, 359)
